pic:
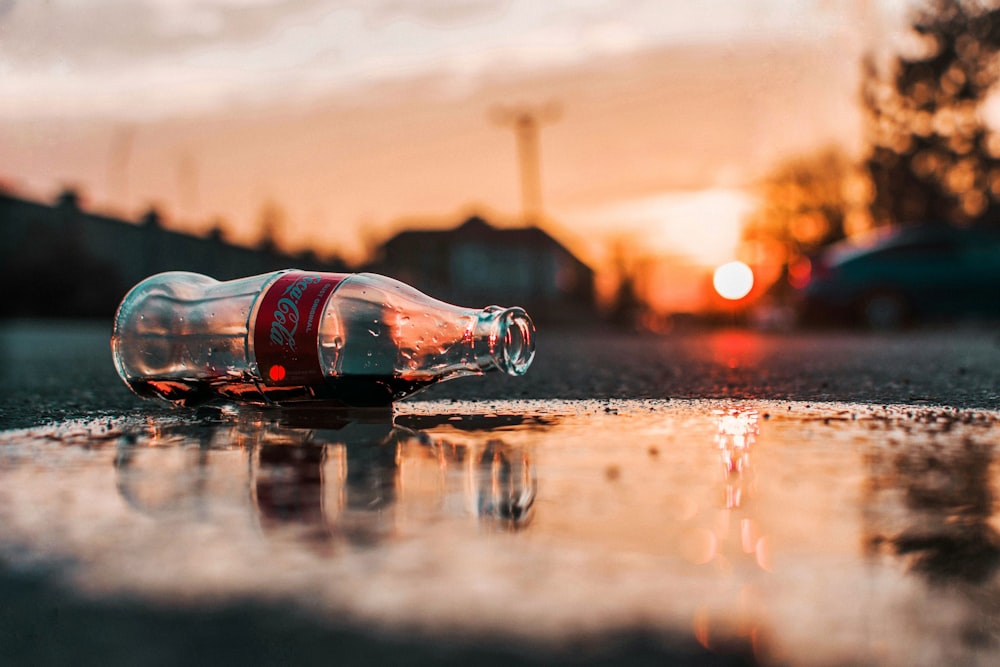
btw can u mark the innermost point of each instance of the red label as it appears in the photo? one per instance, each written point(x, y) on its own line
point(286, 332)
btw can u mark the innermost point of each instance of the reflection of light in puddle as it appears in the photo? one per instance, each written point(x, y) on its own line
point(731, 538)
point(699, 545)
point(739, 528)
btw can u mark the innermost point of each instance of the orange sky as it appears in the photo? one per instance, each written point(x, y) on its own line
point(668, 111)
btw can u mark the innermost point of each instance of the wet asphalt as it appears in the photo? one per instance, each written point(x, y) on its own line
point(51, 371)
point(54, 371)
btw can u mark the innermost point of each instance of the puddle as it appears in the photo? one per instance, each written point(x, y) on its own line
point(796, 533)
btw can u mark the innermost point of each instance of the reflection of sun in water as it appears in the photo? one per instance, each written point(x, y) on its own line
point(733, 280)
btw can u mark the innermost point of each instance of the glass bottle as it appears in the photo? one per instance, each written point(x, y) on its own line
point(292, 336)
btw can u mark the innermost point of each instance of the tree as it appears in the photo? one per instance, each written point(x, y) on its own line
point(932, 156)
point(627, 308)
point(806, 202)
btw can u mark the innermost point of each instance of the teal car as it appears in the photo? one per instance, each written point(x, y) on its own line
point(905, 275)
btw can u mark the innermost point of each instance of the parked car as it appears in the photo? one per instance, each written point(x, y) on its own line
point(905, 275)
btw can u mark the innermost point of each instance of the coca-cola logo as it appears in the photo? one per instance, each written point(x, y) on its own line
point(286, 330)
point(285, 318)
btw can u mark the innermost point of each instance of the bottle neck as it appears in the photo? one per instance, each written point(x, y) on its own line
point(504, 338)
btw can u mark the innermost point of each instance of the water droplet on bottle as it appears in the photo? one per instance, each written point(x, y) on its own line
point(373, 332)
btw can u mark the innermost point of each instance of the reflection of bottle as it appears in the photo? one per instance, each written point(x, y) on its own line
point(293, 491)
point(359, 480)
point(507, 488)
point(294, 336)
point(328, 483)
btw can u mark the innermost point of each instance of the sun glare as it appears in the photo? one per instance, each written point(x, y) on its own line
point(733, 280)
point(703, 226)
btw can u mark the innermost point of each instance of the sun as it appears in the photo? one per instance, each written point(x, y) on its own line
point(733, 280)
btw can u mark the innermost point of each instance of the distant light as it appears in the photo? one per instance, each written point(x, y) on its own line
point(799, 272)
point(733, 280)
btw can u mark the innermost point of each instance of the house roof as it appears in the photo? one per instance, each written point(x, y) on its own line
point(476, 228)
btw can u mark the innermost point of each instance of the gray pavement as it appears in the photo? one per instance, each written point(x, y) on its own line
point(57, 370)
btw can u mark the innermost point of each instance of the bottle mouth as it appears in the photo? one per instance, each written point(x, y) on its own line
point(514, 346)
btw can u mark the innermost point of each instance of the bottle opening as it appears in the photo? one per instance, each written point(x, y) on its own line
point(515, 345)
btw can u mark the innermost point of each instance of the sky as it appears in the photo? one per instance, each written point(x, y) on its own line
point(355, 118)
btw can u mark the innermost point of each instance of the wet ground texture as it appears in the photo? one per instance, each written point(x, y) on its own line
point(700, 498)
point(58, 371)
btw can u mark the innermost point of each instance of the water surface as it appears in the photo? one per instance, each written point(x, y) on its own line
point(790, 533)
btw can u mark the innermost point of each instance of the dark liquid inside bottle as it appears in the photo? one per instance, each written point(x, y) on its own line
point(358, 391)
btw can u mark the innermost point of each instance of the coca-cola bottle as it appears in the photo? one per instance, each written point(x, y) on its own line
point(296, 336)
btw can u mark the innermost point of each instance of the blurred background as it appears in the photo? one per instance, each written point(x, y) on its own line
point(645, 163)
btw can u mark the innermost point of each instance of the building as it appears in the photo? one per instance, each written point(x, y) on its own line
point(59, 260)
point(477, 264)
point(62, 261)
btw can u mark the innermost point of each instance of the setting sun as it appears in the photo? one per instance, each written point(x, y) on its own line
point(733, 280)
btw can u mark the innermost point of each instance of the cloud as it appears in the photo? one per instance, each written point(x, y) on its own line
point(146, 58)
point(95, 34)
point(129, 57)
point(439, 13)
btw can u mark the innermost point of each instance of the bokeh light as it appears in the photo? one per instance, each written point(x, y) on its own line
point(733, 280)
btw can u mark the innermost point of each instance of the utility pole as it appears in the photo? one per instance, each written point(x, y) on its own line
point(526, 123)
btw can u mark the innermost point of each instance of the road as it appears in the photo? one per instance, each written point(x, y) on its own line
point(53, 371)
point(111, 494)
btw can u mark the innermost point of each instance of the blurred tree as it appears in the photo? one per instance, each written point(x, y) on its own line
point(627, 307)
point(806, 202)
point(217, 233)
point(932, 155)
